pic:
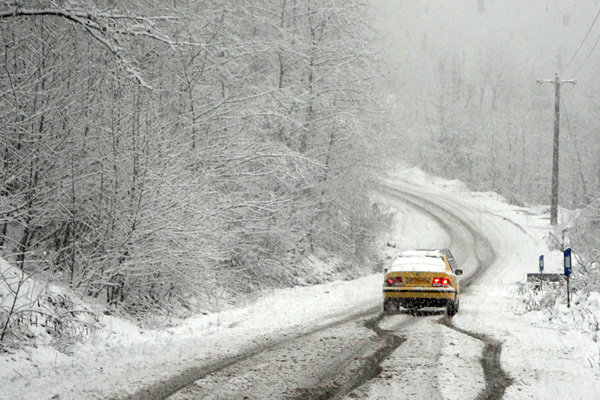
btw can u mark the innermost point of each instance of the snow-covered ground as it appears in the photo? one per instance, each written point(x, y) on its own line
point(546, 359)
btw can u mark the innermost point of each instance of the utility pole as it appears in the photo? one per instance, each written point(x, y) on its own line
point(554, 200)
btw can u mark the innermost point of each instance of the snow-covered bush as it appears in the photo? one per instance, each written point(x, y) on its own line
point(585, 233)
point(551, 299)
point(36, 312)
point(536, 296)
point(584, 237)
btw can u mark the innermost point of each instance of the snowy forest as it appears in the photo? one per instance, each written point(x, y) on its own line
point(154, 152)
point(160, 156)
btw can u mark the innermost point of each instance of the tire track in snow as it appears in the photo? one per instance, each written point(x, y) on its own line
point(163, 389)
point(332, 387)
point(496, 379)
point(339, 382)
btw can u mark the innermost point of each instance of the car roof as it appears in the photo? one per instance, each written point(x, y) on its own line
point(418, 264)
point(422, 253)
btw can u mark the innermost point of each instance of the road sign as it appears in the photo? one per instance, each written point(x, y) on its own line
point(568, 270)
point(541, 263)
point(567, 263)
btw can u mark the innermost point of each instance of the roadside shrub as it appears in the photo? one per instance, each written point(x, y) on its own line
point(32, 311)
point(536, 297)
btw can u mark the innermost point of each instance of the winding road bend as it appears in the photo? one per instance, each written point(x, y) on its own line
point(365, 354)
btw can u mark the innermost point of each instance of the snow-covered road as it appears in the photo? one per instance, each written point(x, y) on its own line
point(541, 360)
point(325, 340)
point(337, 361)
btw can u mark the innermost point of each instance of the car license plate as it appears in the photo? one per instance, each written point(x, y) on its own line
point(417, 281)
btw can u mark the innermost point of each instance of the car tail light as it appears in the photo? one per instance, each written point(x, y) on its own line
point(439, 282)
point(394, 281)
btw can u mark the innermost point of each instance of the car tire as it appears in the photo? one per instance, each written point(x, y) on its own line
point(389, 306)
point(452, 308)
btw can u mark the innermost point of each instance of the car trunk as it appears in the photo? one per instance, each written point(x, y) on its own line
point(412, 279)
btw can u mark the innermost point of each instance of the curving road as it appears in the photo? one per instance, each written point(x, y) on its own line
point(360, 354)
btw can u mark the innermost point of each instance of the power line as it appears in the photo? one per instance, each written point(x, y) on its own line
point(581, 44)
point(588, 56)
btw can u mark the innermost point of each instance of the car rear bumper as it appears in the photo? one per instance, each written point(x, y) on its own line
point(419, 293)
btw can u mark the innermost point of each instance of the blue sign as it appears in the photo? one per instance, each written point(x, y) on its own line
point(567, 263)
point(541, 263)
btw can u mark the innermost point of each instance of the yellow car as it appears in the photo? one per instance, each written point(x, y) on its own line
point(422, 278)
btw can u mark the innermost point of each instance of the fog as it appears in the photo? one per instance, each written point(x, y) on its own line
point(464, 73)
point(537, 36)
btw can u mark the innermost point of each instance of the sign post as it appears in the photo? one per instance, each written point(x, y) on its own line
point(541, 269)
point(568, 269)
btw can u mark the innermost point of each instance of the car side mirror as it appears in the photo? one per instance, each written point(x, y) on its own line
point(458, 272)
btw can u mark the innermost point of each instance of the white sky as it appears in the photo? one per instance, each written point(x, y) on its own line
point(539, 35)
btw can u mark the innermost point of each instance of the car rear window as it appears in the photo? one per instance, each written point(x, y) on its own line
point(422, 264)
